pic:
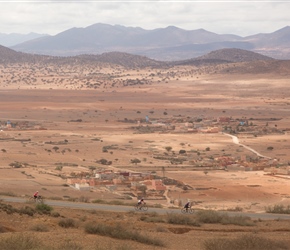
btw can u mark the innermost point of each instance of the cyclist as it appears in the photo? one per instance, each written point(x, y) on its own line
point(187, 206)
point(140, 203)
point(35, 195)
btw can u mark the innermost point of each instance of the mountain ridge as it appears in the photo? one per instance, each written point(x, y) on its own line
point(170, 43)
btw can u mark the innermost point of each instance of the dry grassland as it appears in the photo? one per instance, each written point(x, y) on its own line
point(61, 120)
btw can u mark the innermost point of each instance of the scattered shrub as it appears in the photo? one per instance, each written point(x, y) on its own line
point(135, 161)
point(27, 210)
point(119, 232)
point(161, 229)
point(235, 209)
point(43, 208)
point(7, 208)
point(55, 198)
point(19, 242)
point(67, 222)
point(98, 201)
point(278, 209)
point(54, 214)
point(154, 219)
point(39, 228)
point(8, 194)
point(84, 199)
point(182, 151)
point(73, 199)
point(69, 245)
point(2, 229)
point(214, 217)
point(244, 242)
point(182, 219)
point(59, 168)
point(116, 202)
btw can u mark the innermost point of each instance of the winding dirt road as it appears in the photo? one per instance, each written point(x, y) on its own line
point(236, 141)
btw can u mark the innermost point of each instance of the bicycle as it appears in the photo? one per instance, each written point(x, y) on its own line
point(141, 207)
point(39, 199)
point(186, 211)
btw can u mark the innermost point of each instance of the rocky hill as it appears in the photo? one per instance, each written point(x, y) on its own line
point(123, 59)
point(276, 67)
point(11, 56)
point(234, 55)
point(223, 61)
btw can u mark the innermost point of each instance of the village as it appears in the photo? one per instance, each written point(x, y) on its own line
point(130, 184)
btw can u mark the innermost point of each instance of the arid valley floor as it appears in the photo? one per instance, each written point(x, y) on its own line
point(58, 125)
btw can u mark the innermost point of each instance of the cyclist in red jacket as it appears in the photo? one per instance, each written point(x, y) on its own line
point(35, 195)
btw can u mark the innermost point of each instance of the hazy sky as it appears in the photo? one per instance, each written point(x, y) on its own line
point(223, 17)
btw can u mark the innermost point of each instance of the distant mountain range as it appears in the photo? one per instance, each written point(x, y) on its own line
point(164, 44)
point(12, 39)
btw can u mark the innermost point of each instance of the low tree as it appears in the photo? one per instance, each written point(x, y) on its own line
point(168, 148)
point(135, 161)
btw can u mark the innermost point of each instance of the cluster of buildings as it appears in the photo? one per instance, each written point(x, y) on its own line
point(6, 125)
point(22, 125)
point(133, 180)
point(198, 125)
point(211, 125)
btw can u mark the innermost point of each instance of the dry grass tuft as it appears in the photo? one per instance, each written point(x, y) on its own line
point(214, 217)
point(119, 232)
point(244, 242)
point(39, 228)
point(67, 223)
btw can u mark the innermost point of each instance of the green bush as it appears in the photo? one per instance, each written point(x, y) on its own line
point(43, 208)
